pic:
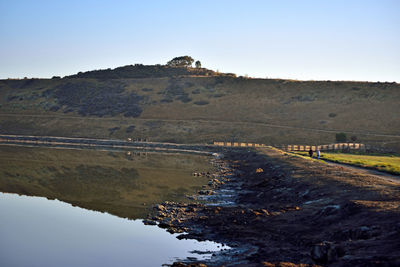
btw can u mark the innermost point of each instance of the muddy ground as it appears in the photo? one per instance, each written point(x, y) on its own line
point(290, 211)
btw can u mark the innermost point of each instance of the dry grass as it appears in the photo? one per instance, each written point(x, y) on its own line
point(252, 110)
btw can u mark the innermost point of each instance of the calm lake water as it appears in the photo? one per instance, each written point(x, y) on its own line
point(38, 231)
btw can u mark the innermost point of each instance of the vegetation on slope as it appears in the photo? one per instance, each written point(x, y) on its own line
point(145, 71)
point(183, 104)
point(95, 98)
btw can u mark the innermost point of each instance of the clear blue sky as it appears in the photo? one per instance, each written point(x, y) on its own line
point(315, 40)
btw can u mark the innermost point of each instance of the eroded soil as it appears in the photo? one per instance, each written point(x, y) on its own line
point(290, 211)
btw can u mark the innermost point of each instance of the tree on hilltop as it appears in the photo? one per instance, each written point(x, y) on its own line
point(198, 64)
point(184, 61)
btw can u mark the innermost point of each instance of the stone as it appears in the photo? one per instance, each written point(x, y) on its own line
point(162, 214)
point(265, 211)
point(324, 252)
point(160, 207)
point(149, 222)
point(206, 192)
point(164, 225)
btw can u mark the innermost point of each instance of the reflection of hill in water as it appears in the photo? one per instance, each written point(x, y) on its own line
point(110, 182)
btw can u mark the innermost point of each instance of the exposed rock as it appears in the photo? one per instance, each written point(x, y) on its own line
point(324, 252)
point(161, 214)
point(206, 192)
point(160, 207)
point(180, 264)
point(149, 222)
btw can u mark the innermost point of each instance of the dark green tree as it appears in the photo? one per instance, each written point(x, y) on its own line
point(198, 64)
point(183, 61)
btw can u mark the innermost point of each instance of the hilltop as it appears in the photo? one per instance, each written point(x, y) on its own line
point(185, 104)
point(146, 71)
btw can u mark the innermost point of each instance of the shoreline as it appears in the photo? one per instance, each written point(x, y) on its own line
point(105, 144)
point(272, 208)
point(287, 210)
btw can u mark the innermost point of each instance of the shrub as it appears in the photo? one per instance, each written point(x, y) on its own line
point(332, 115)
point(54, 108)
point(112, 130)
point(166, 100)
point(218, 95)
point(184, 98)
point(175, 91)
point(97, 99)
point(130, 129)
point(201, 103)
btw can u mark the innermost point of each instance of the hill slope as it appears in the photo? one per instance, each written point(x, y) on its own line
point(146, 71)
point(198, 105)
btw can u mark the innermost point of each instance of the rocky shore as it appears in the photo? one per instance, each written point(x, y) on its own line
point(283, 210)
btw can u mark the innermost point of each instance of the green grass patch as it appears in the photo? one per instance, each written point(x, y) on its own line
point(388, 163)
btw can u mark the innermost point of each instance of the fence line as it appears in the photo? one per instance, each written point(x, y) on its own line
point(328, 147)
point(238, 144)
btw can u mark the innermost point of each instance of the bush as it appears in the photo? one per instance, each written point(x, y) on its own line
point(54, 108)
point(218, 95)
point(97, 99)
point(130, 129)
point(166, 100)
point(112, 130)
point(201, 103)
point(332, 115)
point(184, 98)
point(175, 91)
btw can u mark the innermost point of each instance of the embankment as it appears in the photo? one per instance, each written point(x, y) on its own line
point(293, 211)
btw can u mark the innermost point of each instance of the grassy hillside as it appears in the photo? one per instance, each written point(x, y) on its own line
point(195, 107)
